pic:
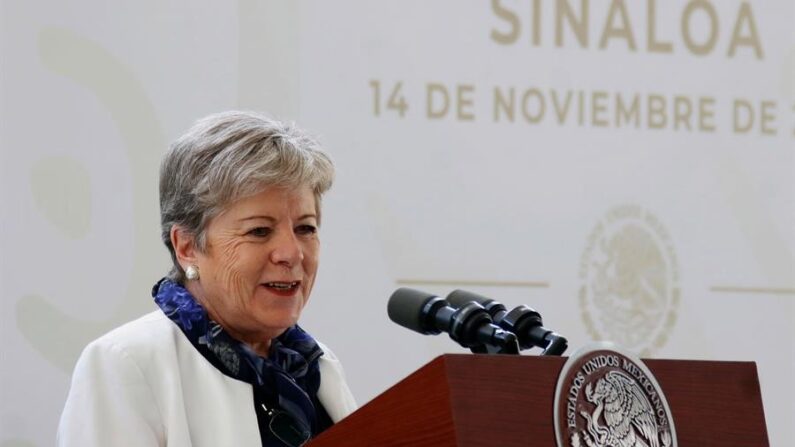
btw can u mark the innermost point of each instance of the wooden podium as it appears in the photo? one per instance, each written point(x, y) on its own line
point(505, 401)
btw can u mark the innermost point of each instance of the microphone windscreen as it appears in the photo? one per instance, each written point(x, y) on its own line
point(406, 306)
point(460, 298)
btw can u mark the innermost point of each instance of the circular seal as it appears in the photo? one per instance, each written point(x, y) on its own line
point(629, 277)
point(608, 397)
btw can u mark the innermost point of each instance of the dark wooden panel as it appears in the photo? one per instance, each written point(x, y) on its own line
point(713, 403)
point(414, 412)
point(504, 398)
point(506, 401)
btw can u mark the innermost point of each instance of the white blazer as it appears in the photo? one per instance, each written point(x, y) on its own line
point(144, 385)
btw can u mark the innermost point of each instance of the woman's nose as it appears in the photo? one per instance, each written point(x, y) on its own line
point(287, 250)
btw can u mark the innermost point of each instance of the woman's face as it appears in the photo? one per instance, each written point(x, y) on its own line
point(260, 263)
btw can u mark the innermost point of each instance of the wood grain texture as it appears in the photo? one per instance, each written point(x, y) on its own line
point(713, 403)
point(503, 400)
point(414, 412)
point(507, 401)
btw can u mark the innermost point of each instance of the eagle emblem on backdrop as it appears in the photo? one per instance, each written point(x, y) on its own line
point(608, 398)
point(629, 278)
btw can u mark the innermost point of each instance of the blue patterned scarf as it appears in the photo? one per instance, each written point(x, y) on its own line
point(289, 375)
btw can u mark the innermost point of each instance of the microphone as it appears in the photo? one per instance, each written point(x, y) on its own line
point(523, 321)
point(470, 325)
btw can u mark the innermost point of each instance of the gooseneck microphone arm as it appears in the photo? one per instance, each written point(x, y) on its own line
point(470, 325)
point(523, 321)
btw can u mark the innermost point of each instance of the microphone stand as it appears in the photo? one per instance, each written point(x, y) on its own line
point(523, 321)
point(470, 327)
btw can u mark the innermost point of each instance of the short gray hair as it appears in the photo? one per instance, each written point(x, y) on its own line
point(229, 156)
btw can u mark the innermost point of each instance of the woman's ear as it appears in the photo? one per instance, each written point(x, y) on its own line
point(184, 245)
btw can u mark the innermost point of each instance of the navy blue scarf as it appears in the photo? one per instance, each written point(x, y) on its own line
point(289, 376)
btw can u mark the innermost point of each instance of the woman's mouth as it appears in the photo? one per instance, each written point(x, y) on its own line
point(285, 288)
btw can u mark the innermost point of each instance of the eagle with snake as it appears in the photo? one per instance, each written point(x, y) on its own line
point(627, 413)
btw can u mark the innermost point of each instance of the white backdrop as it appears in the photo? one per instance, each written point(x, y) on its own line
point(627, 168)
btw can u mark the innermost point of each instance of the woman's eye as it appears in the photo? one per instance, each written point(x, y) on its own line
point(259, 231)
point(306, 229)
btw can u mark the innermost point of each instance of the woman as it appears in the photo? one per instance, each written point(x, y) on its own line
point(222, 362)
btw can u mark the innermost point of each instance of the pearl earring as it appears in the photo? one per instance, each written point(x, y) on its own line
point(192, 272)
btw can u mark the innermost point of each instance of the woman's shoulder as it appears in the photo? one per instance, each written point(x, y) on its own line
point(328, 354)
point(141, 338)
point(140, 330)
point(120, 387)
point(334, 392)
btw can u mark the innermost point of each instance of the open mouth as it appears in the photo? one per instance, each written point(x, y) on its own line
point(280, 286)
